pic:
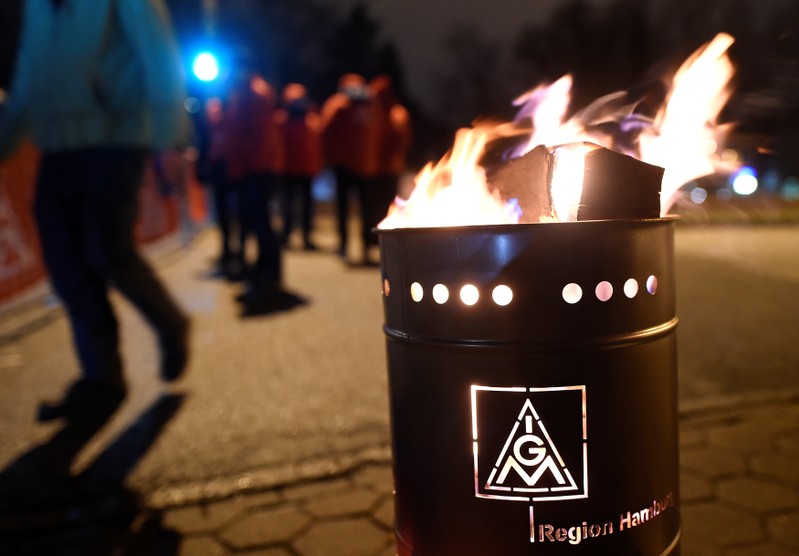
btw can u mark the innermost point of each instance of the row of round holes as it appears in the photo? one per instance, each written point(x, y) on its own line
point(572, 293)
point(469, 294)
point(503, 295)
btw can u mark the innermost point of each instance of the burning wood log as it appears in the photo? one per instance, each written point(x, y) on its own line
point(616, 186)
point(604, 184)
point(526, 179)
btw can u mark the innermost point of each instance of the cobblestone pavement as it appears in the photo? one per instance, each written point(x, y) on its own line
point(739, 483)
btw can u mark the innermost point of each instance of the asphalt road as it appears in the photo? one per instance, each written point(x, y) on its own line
point(272, 393)
point(738, 303)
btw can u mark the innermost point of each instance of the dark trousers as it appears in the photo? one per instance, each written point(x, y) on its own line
point(226, 212)
point(86, 206)
point(348, 184)
point(377, 196)
point(255, 195)
point(297, 188)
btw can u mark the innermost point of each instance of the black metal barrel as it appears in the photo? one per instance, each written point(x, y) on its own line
point(532, 378)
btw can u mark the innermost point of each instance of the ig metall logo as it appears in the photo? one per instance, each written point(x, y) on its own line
point(530, 444)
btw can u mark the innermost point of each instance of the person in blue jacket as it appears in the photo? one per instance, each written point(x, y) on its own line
point(98, 87)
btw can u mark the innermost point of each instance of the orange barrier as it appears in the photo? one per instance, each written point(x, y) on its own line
point(20, 256)
point(159, 213)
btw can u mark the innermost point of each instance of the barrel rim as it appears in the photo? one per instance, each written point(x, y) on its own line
point(522, 226)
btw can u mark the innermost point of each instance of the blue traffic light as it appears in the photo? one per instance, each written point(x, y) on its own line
point(205, 66)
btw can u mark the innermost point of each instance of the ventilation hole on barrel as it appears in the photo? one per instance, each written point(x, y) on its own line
point(440, 293)
point(572, 293)
point(469, 294)
point(502, 295)
point(631, 288)
point(417, 293)
point(386, 287)
point(604, 290)
point(652, 284)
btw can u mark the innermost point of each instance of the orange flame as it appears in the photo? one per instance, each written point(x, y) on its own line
point(453, 192)
point(683, 138)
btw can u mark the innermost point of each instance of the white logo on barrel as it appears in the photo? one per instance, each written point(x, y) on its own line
point(531, 461)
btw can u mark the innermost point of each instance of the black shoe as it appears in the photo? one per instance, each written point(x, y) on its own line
point(235, 269)
point(260, 289)
point(85, 399)
point(175, 351)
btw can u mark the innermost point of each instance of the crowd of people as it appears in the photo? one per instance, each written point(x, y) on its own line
point(98, 87)
point(266, 147)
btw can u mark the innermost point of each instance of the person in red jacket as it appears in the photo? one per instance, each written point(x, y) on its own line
point(302, 128)
point(395, 140)
point(254, 157)
point(350, 142)
point(230, 261)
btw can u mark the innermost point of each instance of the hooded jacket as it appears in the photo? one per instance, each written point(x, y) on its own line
point(95, 73)
point(253, 134)
point(351, 128)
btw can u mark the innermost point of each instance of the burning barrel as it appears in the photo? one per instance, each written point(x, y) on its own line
point(530, 318)
point(532, 373)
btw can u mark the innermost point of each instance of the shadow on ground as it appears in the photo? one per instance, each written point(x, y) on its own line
point(276, 302)
point(45, 509)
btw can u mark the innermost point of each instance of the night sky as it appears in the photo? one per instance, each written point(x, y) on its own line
point(418, 27)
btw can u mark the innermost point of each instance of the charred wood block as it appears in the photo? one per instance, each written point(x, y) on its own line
point(617, 186)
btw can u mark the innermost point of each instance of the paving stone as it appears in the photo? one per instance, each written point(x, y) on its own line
point(380, 477)
point(690, 438)
point(265, 527)
point(773, 418)
point(720, 526)
point(695, 545)
point(389, 550)
point(693, 489)
point(352, 502)
point(785, 529)
point(204, 518)
point(712, 462)
point(745, 438)
point(317, 489)
point(777, 466)
point(261, 499)
point(759, 550)
point(758, 495)
point(789, 441)
point(385, 513)
point(353, 537)
point(201, 546)
point(267, 552)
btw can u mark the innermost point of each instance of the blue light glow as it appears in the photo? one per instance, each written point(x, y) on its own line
point(205, 66)
point(745, 181)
